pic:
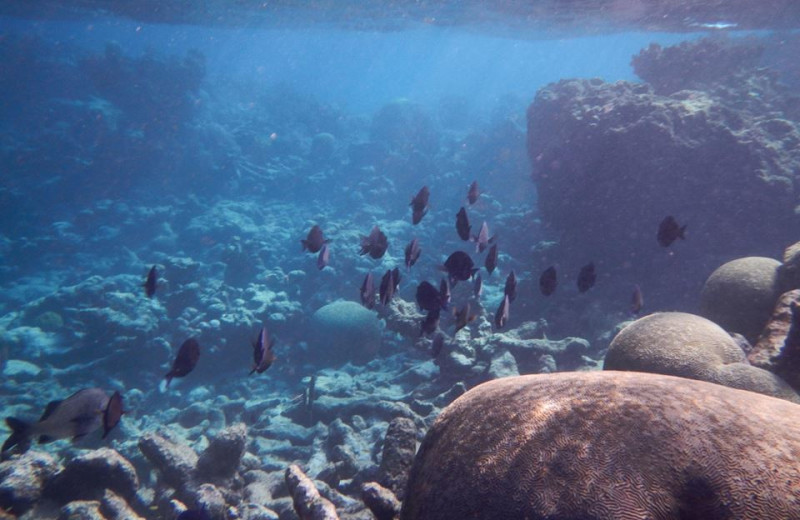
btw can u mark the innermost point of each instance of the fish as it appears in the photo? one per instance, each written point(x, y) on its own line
point(473, 193)
point(669, 231)
point(430, 322)
point(263, 356)
point(637, 300)
point(112, 415)
point(491, 259)
point(309, 394)
point(586, 277)
point(428, 298)
point(76, 416)
point(396, 278)
point(324, 257)
point(368, 291)
point(419, 205)
point(444, 293)
point(412, 253)
point(462, 224)
point(375, 243)
point(436, 345)
point(548, 281)
point(501, 316)
point(459, 267)
point(477, 286)
point(463, 317)
point(315, 240)
point(510, 289)
point(185, 361)
point(386, 290)
point(151, 282)
point(482, 239)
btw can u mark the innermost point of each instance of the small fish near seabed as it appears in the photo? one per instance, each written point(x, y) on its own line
point(477, 286)
point(436, 345)
point(637, 300)
point(463, 317)
point(419, 205)
point(501, 316)
point(548, 281)
point(263, 356)
point(387, 287)
point(428, 297)
point(482, 239)
point(430, 322)
point(375, 243)
point(510, 288)
point(314, 241)
point(669, 231)
point(151, 282)
point(473, 193)
point(462, 224)
point(444, 293)
point(76, 416)
point(368, 291)
point(185, 361)
point(587, 277)
point(459, 267)
point(491, 259)
point(324, 257)
point(412, 253)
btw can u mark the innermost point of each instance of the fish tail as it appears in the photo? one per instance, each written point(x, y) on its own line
point(19, 433)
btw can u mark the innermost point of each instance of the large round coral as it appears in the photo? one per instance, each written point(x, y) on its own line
point(608, 445)
point(740, 295)
point(685, 345)
point(343, 331)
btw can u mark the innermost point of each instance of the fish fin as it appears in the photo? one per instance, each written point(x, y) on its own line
point(169, 377)
point(49, 409)
point(44, 439)
point(19, 431)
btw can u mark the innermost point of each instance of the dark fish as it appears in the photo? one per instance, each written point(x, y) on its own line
point(491, 259)
point(412, 253)
point(637, 300)
point(428, 297)
point(510, 289)
point(263, 356)
point(310, 394)
point(477, 286)
point(437, 345)
point(396, 279)
point(501, 316)
point(375, 244)
point(324, 257)
point(459, 267)
point(386, 290)
point(444, 293)
point(462, 224)
point(482, 239)
point(315, 240)
point(79, 414)
point(669, 231)
point(473, 193)
point(151, 282)
point(463, 317)
point(586, 277)
point(186, 359)
point(430, 322)
point(548, 281)
point(112, 414)
point(368, 292)
point(419, 205)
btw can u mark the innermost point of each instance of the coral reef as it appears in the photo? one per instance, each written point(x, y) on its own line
point(777, 347)
point(607, 445)
point(343, 330)
point(685, 345)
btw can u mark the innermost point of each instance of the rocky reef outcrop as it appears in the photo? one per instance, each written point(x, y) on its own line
point(611, 160)
point(607, 445)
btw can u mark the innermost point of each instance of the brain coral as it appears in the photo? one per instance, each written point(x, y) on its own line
point(343, 331)
point(685, 345)
point(608, 445)
point(740, 295)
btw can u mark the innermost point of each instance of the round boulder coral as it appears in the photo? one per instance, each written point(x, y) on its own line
point(344, 331)
point(607, 445)
point(685, 345)
point(740, 295)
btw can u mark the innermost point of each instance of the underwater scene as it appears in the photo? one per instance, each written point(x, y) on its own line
point(399, 260)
